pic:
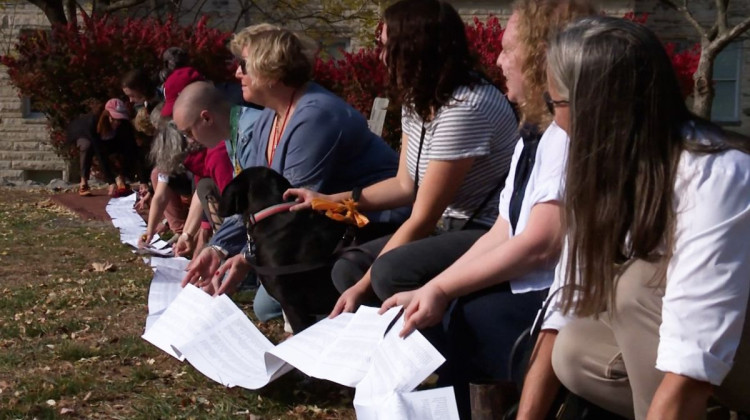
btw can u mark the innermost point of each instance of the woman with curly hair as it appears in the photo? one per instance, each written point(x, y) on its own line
point(497, 285)
point(458, 137)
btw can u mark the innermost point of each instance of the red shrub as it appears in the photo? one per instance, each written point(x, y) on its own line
point(62, 68)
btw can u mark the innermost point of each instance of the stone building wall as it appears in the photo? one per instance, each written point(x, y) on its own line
point(25, 152)
point(24, 142)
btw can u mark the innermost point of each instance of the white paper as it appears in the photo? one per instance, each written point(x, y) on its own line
point(432, 404)
point(177, 263)
point(165, 286)
point(183, 320)
point(398, 365)
point(337, 349)
point(232, 354)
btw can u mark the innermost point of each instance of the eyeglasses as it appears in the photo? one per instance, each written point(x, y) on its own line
point(552, 104)
point(187, 133)
point(243, 66)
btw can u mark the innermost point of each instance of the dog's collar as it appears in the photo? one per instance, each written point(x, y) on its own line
point(268, 212)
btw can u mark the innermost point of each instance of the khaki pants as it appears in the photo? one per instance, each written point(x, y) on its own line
point(611, 361)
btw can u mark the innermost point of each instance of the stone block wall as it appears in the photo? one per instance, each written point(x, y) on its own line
point(24, 139)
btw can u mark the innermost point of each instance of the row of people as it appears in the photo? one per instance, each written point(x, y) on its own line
point(645, 201)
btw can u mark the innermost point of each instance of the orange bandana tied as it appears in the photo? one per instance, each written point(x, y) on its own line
point(345, 211)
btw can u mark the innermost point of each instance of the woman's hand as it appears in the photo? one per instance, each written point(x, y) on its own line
point(201, 269)
point(304, 197)
point(426, 307)
point(143, 202)
point(399, 299)
point(236, 269)
point(350, 300)
point(145, 240)
point(184, 245)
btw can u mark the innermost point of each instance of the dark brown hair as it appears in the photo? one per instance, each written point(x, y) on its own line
point(629, 127)
point(139, 81)
point(427, 55)
point(104, 125)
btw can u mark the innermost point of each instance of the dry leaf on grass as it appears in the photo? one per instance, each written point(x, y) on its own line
point(102, 267)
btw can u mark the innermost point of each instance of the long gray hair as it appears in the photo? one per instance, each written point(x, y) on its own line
point(628, 123)
point(169, 147)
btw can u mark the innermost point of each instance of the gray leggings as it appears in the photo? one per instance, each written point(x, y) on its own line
point(407, 267)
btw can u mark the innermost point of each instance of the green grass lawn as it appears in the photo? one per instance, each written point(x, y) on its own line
point(70, 343)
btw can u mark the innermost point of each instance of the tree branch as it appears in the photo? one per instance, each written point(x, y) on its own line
point(730, 35)
point(721, 15)
point(688, 15)
point(121, 4)
point(53, 10)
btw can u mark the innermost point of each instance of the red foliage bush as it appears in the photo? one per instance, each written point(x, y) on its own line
point(360, 77)
point(62, 68)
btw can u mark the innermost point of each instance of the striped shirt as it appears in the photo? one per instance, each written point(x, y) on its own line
point(477, 123)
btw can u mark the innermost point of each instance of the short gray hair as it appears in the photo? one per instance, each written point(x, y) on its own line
point(169, 147)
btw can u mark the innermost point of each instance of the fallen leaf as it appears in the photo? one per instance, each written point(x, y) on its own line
point(67, 411)
point(102, 267)
point(51, 403)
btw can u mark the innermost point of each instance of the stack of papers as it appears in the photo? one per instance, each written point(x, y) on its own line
point(131, 225)
point(356, 350)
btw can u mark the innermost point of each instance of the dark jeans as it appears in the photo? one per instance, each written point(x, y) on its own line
point(480, 331)
point(407, 267)
point(104, 150)
point(209, 195)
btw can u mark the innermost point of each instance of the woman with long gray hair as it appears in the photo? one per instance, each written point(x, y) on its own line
point(654, 273)
point(171, 183)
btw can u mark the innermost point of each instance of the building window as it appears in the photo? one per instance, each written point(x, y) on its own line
point(29, 110)
point(727, 70)
point(332, 49)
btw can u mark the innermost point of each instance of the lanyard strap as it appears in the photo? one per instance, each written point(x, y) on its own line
point(234, 135)
point(419, 156)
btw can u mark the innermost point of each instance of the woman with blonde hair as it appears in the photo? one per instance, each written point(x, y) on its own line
point(654, 276)
point(306, 133)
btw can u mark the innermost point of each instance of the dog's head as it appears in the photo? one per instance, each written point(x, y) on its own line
point(252, 190)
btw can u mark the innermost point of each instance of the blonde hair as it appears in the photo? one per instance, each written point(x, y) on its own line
point(538, 20)
point(275, 54)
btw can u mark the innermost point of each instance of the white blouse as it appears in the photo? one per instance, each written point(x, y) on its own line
point(545, 185)
point(708, 277)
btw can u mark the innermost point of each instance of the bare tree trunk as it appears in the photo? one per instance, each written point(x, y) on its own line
point(703, 92)
point(52, 9)
point(713, 41)
point(70, 12)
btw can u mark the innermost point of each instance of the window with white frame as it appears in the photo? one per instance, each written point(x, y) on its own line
point(727, 71)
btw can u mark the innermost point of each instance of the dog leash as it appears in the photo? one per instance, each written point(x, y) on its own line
point(269, 211)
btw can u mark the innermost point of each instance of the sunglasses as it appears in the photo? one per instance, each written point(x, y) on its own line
point(243, 66)
point(552, 104)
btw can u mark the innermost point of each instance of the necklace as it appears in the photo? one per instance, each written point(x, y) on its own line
point(278, 131)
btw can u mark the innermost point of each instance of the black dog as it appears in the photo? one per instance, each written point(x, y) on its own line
point(287, 239)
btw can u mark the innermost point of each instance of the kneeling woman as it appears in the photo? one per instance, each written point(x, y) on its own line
point(658, 216)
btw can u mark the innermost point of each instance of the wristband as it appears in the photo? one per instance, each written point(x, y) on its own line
point(219, 251)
